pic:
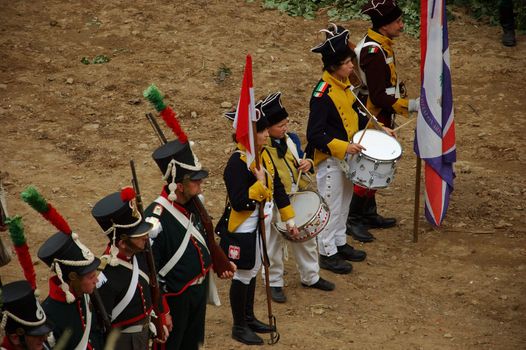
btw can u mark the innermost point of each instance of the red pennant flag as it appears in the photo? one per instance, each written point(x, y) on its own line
point(246, 114)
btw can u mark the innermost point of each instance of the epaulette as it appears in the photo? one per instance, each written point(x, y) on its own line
point(320, 89)
point(158, 210)
point(103, 263)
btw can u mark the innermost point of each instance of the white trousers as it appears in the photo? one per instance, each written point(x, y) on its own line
point(244, 276)
point(305, 254)
point(337, 191)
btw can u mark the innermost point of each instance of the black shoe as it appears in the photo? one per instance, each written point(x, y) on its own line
point(508, 38)
point(370, 217)
point(335, 264)
point(378, 221)
point(321, 285)
point(246, 336)
point(277, 294)
point(260, 327)
point(349, 253)
point(359, 232)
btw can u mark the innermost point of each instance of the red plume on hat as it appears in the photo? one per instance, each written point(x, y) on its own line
point(153, 95)
point(31, 196)
point(16, 233)
point(127, 194)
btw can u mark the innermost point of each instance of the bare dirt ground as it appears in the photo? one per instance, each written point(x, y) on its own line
point(70, 129)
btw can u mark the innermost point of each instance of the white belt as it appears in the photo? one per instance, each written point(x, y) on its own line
point(390, 90)
point(198, 281)
point(138, 328)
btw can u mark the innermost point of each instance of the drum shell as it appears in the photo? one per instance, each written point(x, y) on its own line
point(378, 171)
point(309, 224)
point(371, 173)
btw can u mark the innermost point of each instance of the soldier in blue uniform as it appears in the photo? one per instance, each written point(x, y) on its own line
point(285, 152)
point(331, 126)
point(247, 190)
point(124, 281)
point(23, 320)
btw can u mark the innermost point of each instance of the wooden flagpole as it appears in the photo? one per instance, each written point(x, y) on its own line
point(274, 335)
point(416, 218)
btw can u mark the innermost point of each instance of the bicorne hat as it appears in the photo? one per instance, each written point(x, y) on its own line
point(21, 312)
point(335, 49)
point(272, 108)
point(262, 122)
point(382, 12)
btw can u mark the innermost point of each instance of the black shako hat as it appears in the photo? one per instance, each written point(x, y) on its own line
point(335, 49)
point(262, 122)
point(178, 158)
point(272, 108)
point(69, 254)
point(118, 212)
point(21, 313)
point(382, 12)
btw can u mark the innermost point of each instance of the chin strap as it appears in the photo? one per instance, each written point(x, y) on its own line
point(113, 260)
point(171, 170)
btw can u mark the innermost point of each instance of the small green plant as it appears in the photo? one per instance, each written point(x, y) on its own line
point(222, 73)
point(99, 59)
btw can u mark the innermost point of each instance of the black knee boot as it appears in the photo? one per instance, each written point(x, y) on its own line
point(252, 322)
point(372, 219)
point(238, 303)
point(355, 224)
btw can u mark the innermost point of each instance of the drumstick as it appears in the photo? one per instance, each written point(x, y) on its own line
point(369, 114)
point(297, 185)
point(406, 123)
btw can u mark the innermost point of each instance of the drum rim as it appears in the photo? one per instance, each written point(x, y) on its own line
point(378, 132)
point(305, 238)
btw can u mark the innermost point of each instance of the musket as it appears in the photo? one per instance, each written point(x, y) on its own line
point(219, 259)
point(100, 310)
point(5, 256)
point(152, 272)
point(156, 128)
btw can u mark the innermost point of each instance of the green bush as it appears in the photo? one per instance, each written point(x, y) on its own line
point(343, 10)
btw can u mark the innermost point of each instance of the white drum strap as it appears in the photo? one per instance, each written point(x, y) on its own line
point(119, 308)
point(83, 345)
point(293, 149)
point(190, 230)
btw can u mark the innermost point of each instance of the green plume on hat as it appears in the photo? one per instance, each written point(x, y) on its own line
point(31, 196)
point(153, 95)
point(16, 230)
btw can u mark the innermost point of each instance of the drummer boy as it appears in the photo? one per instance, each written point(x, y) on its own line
point(285, 151)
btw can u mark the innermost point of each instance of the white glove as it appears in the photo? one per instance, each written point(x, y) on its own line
point(414, 105)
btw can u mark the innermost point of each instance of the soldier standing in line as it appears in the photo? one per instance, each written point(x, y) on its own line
point(68, 305)
point(286, 153)
point(124, 281)
point(182, 247)
point(384, 96)
point(22, 318)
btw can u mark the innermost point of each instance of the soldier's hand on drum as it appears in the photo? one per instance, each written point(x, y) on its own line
point(353, 148)
point(304, 166)
point(293, 230)
point(390, 131)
